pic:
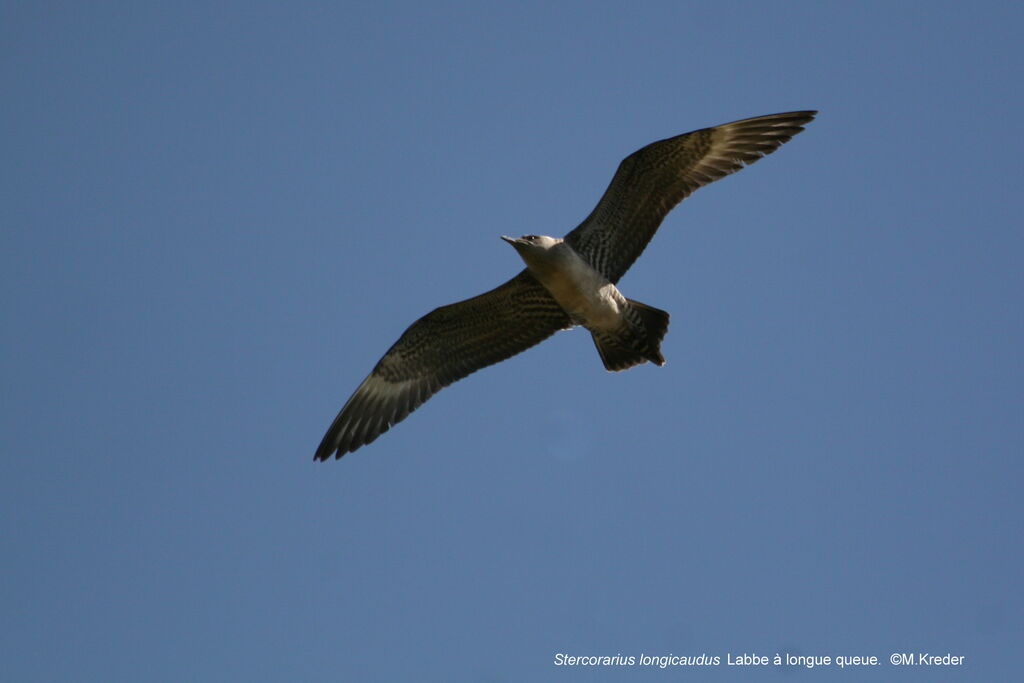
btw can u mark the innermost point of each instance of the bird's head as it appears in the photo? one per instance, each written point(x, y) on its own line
point(532, 244)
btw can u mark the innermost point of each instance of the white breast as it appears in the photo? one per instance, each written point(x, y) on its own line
point(584, 293)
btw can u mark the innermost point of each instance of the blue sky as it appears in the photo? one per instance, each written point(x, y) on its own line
point(217, 217)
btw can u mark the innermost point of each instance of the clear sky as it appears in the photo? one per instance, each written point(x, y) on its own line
point(216, 217)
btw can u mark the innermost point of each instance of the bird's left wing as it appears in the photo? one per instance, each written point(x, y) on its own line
point(441, 347)
point(653, 179)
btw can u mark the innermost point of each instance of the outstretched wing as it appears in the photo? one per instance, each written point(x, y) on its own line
point(441, 347)
point(651, 181)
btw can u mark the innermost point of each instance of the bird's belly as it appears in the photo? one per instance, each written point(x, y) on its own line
point(590, 300)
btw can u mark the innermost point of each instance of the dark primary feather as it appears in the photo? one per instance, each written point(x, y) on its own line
point(653, 180)
point(441, 347)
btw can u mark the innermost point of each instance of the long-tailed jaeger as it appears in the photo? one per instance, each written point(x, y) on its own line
point(567, 281)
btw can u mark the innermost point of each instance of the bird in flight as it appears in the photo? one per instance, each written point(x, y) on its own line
point(567, 281)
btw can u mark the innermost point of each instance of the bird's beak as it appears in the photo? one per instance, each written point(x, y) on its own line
point(511, 240)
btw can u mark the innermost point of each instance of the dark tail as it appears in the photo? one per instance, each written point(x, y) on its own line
point(637, 340)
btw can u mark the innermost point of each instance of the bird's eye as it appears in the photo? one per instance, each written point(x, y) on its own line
point(530, 237)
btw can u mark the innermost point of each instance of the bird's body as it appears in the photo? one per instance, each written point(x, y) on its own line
point(568, 281)
point(623, 336)
point(584, 293)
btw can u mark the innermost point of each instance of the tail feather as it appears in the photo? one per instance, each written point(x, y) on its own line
point(636, 341)
point(615, 356)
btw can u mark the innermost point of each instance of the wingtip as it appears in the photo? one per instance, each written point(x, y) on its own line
point(798, 118)
point(805, 116)
point(324, 456)
point(328, 447)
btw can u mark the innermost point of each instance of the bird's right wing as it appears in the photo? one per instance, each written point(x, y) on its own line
point(441, 347)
